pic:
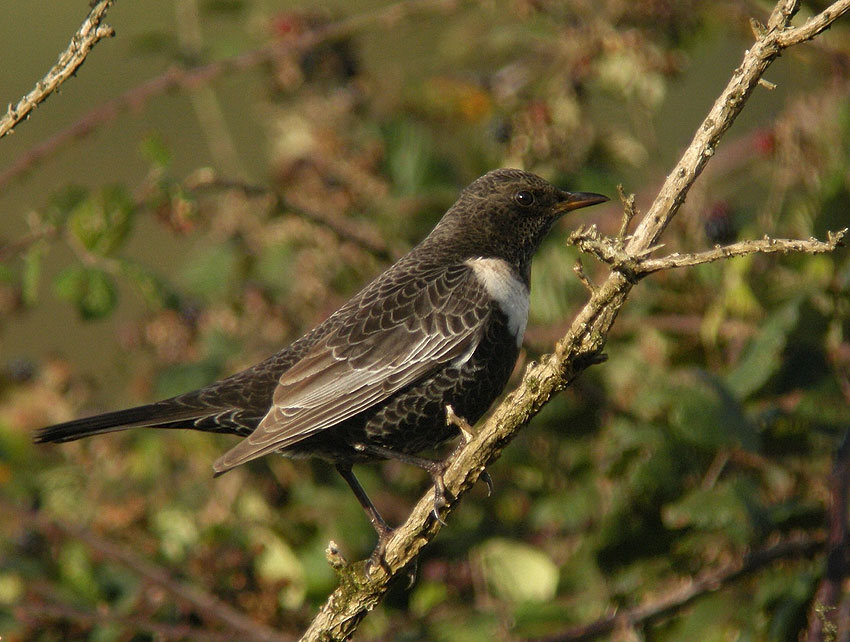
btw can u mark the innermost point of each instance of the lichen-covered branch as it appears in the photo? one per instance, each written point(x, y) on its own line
point(88, 35)
point(579, 348)
point(611, 251)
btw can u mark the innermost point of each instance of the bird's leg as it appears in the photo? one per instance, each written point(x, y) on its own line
point(378, 523)
point(434, 468)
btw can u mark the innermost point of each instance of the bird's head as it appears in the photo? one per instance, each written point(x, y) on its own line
point(506, 214)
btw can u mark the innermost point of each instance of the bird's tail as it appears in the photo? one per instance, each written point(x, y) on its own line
point(156, 415)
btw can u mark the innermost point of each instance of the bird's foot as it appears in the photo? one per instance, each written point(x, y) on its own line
point(442, 496)
point(377, 558)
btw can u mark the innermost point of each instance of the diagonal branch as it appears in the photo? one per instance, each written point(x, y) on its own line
point(581, 347)
point(88, 35)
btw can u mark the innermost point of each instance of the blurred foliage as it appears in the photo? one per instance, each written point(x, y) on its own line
point(709, 433)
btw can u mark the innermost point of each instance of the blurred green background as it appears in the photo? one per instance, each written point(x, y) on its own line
point(203, 228)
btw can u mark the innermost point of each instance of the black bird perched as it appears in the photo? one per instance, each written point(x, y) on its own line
point(441, 327)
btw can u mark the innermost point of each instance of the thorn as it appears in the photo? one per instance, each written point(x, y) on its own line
point(629, 211)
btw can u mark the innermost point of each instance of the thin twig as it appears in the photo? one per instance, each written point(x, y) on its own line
point(814, 25)
point(204, 101)
point(346, 229)
point(761, 246)
point(692, 590)
point(610, 251)
point(18, 246)
point(88, 35)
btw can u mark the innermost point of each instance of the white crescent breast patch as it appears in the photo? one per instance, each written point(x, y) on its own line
point(507, 289)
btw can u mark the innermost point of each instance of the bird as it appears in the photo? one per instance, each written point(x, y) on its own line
point(438, 332)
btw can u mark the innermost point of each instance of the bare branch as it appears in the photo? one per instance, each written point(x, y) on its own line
point(814, 26)
point(762, 246)
point(610, 251)
point(87, 36)
point(346, 229)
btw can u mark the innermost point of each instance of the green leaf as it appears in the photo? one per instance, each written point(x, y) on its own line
point(177, 532)
point(182, 377)
point(763, 355)
point(277, 563)
point(153, 149)
point(725, 508)
point(412, 162)
point(707, 414)
point(76, 571)
point(517, 572)
point(11, 588)
point(102, 222)
point(91, 290)
point(210, 270)
point(64, 202)
point(426, 596)
point(155, 291)
point(273, 265)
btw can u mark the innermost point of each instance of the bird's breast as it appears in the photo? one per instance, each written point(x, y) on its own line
point(507, 289)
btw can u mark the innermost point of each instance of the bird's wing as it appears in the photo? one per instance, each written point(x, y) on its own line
point(396, 333)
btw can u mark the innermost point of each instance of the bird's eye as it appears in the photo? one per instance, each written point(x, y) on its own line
point(524, 198)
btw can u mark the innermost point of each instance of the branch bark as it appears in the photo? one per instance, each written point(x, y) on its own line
point(611, 251)
point(88, 35)
point(578, 349)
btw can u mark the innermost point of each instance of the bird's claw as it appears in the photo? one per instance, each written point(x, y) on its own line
point(485, 477)
point(412, 571)
point(377, 557)
point(440, 495)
